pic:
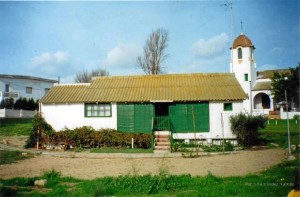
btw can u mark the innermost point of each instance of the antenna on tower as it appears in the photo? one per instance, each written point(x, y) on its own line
point(228, 6)
point(242, 27)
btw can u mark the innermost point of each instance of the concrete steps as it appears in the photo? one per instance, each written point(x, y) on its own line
point(162, 141)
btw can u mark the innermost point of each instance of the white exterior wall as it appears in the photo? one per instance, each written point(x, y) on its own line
point(240, 67)
point(216, 113)
point(19, 86)
point(257, 108)
point(72, 115)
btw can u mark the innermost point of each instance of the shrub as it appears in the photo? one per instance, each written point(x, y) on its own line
point(245, 127)
point(7, 103)
point(91, 138)
point(40, 130)
point(296, 117)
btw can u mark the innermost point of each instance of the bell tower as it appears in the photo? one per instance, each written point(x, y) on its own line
point(243, 65)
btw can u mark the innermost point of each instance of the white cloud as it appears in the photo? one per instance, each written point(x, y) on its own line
point(276, 50)
point(210, 47)
point(49, 62)
point(123, 55)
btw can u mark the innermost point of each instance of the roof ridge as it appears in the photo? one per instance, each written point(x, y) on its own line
point(160, 75)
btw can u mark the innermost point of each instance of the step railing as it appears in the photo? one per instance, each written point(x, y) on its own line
point(161, 123)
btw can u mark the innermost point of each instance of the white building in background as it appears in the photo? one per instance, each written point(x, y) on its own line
point(256, 84)
point(16, 86)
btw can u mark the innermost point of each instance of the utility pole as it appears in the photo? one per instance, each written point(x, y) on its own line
point(288, 124)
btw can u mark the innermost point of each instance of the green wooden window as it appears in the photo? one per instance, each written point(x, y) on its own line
point(135, 117)
point(98, 110)
point(227, 106)
point(189, 117)
point(246, 77)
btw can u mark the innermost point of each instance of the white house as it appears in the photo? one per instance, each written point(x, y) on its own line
point(15, 86)
point(188, 106)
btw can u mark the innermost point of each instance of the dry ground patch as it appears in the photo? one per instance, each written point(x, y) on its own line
point(237, 164)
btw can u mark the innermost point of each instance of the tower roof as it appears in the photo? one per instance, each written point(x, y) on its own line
point(242, 41)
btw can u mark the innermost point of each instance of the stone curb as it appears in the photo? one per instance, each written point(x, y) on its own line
point(67, 154)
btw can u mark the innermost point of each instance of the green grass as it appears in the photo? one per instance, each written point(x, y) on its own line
point(7, 157)
point(15, 126)
point(277, 133)
point(120, 150)
point(276, 181)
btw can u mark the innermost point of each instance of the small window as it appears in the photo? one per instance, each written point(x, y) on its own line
point(6, 87)
point(29, 90)
point(240, 54)
point(246, 77)
point(98, 110)
point(227, 106)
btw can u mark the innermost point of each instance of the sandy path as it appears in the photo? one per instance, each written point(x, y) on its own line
point(241, 163)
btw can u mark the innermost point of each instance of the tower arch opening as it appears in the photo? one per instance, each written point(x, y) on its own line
point(262, 101)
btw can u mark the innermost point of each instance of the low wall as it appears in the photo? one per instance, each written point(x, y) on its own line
point(10, 113)
point(283, 114)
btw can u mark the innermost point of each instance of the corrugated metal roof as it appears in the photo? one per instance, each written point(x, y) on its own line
point(263, 85)
point(175, 87)
point(268, 74)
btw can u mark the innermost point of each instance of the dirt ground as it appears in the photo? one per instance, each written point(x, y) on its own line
point(236, 164)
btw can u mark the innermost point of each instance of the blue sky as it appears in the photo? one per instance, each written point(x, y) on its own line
point(51, 39)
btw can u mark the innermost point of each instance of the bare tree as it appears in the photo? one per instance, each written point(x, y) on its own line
point(86, 77)
point(154, 52)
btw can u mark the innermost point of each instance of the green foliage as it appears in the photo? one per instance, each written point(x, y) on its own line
point(83, 137)
point(52, 177)
point(7, 103)
point(120, 150)
point(20, 103)
point(218, 148)
point(40, 128)
point(276, 181)
point(276, 132)
point(180, 146)
point(245, 127)
point(15, 126)
point(7, 157)
point(296, 117)
point(288, 82)
point(90, 138)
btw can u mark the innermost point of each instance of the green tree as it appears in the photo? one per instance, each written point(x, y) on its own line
point(39, 128)
point(18, 104)
point(245, 127)
point(7, 103)
point(288, 82)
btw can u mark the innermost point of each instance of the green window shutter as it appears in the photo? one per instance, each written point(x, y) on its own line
point(246, 77)
point(190, 117)
point(178, 116)
point(143, 114)
point(203, 117)
point(227, 106)
point(198, 117)
point(135, 117)
point(125, 117)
